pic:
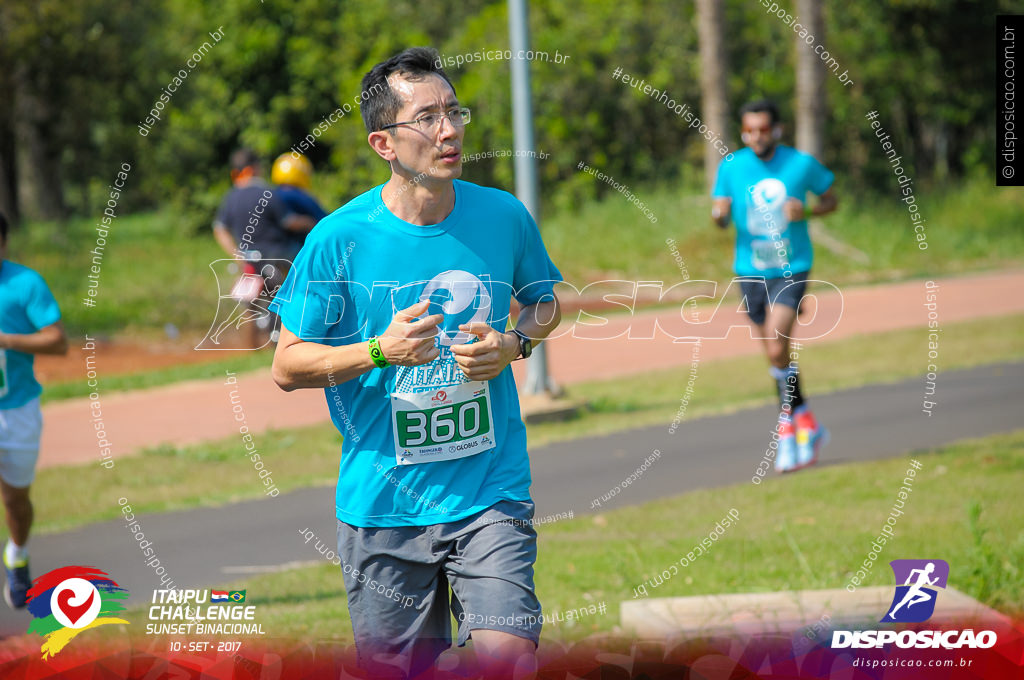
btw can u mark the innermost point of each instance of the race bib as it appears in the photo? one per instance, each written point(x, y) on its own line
point(770, 254)
point(4, 386)
point(436, 412)
point(453, 421)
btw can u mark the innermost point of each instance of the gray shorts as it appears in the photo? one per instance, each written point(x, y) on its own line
point(397, 580)
point(20, 430)
point(762, 294)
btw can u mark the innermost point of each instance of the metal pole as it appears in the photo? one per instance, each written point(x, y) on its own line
point(527, 185)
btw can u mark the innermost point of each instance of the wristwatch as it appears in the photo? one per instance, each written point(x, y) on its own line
point(525, 345)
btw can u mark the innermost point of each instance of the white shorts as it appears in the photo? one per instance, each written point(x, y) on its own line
point(20, 429)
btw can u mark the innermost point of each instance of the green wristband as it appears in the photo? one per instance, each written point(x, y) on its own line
point(377, 355)
point(808, 212)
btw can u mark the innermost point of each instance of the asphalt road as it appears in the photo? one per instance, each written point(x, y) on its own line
point(207, 547)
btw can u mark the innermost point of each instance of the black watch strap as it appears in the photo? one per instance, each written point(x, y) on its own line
point(525, 344)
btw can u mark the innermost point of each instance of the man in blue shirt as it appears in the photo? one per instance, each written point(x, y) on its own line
point(255, 225)
point(763, 190)
point(29, 324)
point(292, 173)
point(397, 306)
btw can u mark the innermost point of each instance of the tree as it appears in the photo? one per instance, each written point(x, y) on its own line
point(29, 159)
point(69, 98)
point(713, 80)
point(8, 173)
point(810, 81)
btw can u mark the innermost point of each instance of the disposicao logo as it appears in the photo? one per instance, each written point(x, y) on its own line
point(914, 602)
point(70, 600)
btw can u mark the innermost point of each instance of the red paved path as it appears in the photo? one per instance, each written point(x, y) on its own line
point(188, 413)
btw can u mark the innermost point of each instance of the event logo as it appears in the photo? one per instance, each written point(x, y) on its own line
point(186, 612)
point(70, 600)
point(765, 216)
point(462, 298)
point(914, 601)
point(768, 193)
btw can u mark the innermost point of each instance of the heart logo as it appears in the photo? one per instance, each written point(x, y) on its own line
point(74, 613)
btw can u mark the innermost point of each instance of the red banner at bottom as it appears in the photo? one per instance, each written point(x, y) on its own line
point(725, 657)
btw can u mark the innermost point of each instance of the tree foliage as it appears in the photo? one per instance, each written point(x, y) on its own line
point(283, 65)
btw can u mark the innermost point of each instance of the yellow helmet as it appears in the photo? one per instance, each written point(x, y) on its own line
point(292, 168)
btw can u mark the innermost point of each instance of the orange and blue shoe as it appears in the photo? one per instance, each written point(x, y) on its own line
point(786, 456)
point(810, 437)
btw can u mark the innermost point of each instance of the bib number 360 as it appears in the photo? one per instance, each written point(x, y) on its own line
point(443, 425)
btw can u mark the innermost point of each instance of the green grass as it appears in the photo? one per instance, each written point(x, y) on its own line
point(168, 477)
point(156, 272)
point(613, 239)
point(729, 385)
point(239, 362)
point(807, 531)
point(151, 273)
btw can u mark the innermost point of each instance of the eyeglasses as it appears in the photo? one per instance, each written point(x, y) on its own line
point(431, 121)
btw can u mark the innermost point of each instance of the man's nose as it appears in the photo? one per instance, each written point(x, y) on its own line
point(447, 129)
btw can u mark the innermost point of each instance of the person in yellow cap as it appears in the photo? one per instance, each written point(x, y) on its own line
point(293, 174)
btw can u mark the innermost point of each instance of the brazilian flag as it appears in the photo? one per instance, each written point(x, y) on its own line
point(236, 595)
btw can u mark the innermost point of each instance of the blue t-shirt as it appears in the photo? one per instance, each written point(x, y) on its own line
point(767, 244)
point(26, 306)
point(360, 265)
point(299, 202)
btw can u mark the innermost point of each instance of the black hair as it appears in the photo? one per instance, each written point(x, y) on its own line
point(762, 106)
point(379, 104)
point(244, 158)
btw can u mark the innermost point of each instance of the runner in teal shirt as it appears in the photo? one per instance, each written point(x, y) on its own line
point(766, 241)
point(397, 306)
point(468, 266)
point(29, 325)
point(763, 189)
point(26, 306)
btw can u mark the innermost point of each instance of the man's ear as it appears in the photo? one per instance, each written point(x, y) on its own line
point(382, 142)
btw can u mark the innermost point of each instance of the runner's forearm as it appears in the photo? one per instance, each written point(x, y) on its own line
point(49, 340)
point(537, 321)
point(720, 212)
point(225, 240)
point(301, 224)
point(310, 364)
point(826, 204)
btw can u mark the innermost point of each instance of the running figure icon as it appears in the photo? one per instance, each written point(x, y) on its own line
point(916, 594)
